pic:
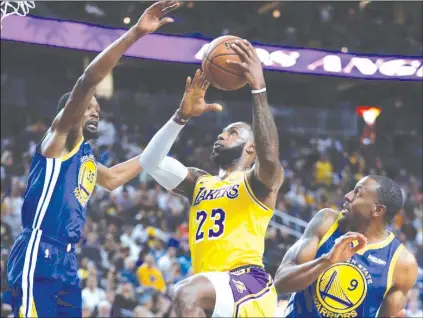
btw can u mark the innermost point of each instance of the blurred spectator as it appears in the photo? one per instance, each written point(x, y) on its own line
point(106, 132)
point(166, 261)
point(105, 309)
point(149, 275)
point(92, 295)
point(128, 271)
point(125, 300)
point(323, 171)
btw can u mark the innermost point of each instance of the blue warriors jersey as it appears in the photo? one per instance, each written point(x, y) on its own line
point(355, 288)
point(58, 191)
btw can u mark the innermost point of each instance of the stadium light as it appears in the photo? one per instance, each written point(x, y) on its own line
point(369, 114)
point(276, 13)
point(127, 20)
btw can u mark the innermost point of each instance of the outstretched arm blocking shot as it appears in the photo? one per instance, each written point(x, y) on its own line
point(169, 172)
point(79, 111)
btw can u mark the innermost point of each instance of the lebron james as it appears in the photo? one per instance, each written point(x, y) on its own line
point(230, 212)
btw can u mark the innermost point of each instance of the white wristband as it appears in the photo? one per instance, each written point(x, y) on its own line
point(258, 91)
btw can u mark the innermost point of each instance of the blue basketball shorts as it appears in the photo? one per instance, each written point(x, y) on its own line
point(43, 278)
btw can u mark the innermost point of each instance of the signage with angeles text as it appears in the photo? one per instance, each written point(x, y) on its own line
point(80, 36)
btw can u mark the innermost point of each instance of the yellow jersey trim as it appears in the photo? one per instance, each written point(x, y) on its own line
point(378, 245)
point(331, 230)
point(74, 151)
point(252, 195)
point(392, 266)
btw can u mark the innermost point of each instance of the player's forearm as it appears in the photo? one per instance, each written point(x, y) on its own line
point(291, 278)
point(167, 171)
point(266, 139)
point(160, 144)
point(125, 172)
point(107, 60)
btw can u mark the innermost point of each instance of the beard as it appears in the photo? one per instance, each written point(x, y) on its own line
point(351, 223)
point(89, 134)
point(224, 157)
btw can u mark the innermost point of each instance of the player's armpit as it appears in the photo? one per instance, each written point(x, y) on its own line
point(394, 302)
point(404, 278)
point(186, 187)
point(299, 268)
point(264, 194)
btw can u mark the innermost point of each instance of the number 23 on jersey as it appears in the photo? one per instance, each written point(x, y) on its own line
point(217, 216)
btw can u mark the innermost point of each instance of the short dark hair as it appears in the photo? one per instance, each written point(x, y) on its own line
point(389, 194)
point(62, 102)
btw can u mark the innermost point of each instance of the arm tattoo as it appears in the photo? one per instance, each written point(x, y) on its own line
point(266, 140)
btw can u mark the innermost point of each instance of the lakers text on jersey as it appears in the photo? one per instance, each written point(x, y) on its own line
point(227, 224)
point(355, 288)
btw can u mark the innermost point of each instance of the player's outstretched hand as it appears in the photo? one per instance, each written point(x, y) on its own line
point(343, 249)
point(154, 16)
point(250, 64)
point(193, 103)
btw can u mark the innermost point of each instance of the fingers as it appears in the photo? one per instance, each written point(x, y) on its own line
point(214, 108)
point(349, 237)
point(188, 84)
point(166, 21)
point(401, 313)
point(206, 85)
point(244, 48)
point(195, 81)
point(199, 79)
point(361, 244)
point(167, 3)
point(234, 62)
point(242, 53)
point(172, 5)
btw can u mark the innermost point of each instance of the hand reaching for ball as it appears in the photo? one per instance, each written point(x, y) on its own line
point(250, 64)
point(193, 103)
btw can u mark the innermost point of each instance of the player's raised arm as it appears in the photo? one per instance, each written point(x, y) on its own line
point(299, 268)
point(268, 169)
point(405, 276)
point(169, 172)
point(70, 118)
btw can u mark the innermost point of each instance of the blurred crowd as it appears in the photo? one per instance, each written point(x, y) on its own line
point(134, 247)
point(360, 26)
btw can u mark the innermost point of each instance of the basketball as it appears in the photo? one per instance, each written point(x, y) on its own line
point(220, 74)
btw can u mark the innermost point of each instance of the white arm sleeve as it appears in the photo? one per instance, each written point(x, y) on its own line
point(168, 172)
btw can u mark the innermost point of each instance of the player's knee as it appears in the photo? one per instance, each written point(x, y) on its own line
point(197, 292)
point(184, 295)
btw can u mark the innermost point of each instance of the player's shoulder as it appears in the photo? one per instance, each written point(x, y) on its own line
point(406, 259)
point(406, 269)
point(197, 175)
point(323, 221)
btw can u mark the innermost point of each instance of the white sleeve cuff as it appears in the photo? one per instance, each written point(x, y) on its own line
point(170, 173)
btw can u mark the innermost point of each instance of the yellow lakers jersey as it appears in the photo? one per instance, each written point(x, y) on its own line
point(227, 224)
